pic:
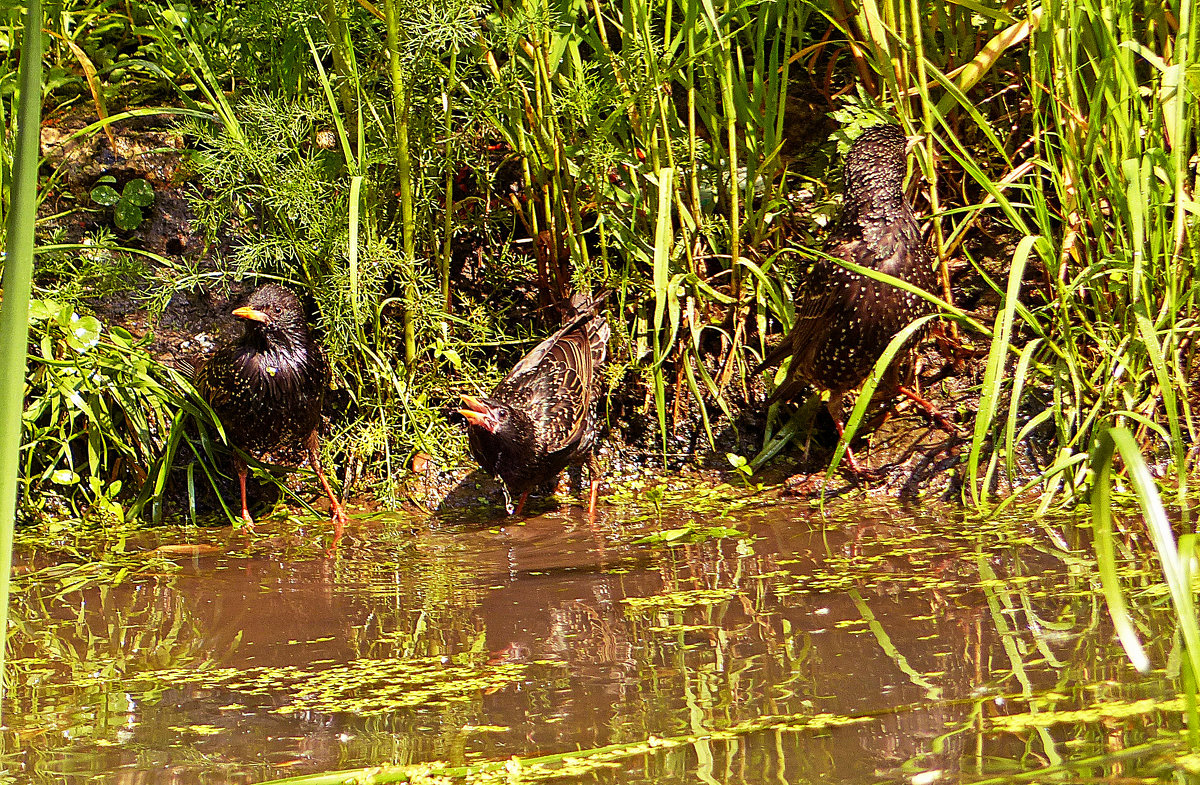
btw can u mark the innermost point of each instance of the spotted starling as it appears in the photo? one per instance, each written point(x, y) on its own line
point(844, 320)
point(542, 416)
point(269, 386)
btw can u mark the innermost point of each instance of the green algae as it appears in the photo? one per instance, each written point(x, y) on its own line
point(1100, 712)
point(678, 600)
point(364, 687)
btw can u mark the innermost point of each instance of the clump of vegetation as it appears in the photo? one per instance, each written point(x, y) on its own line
point(99, 410)
point(437, 177)
point(127, 203)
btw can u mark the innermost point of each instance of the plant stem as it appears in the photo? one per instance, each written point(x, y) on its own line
point(448, 222)
point(400, 101)
point(14, 313)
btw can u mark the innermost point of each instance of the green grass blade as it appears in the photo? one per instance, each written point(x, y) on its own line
point(1014, 404)
point(663, 237)
point(334, 108)
point(14, 313)
point(1106, 554)
point(993, 376)
point(1174, 560)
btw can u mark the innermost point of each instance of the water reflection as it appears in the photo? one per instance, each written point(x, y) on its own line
point(439, 641)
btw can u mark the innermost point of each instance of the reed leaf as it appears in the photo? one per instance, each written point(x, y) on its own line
point(17, 283)
point(993, 375)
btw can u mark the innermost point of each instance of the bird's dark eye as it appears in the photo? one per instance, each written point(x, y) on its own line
point(502, 414)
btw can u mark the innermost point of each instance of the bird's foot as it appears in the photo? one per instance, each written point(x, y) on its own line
point(339, 520)
point(858, 473)
point(938, 417)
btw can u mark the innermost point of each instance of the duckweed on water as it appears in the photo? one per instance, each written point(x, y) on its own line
point(1107, 711)
point(678, 600)
point(361, 687)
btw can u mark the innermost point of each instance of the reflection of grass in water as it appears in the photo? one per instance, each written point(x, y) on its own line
point(66, 662)
point(578, 763)
point(361, 687)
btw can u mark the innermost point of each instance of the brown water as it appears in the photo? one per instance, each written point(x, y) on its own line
point(945, 649)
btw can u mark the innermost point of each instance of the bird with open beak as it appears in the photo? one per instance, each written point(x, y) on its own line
point(542, 415)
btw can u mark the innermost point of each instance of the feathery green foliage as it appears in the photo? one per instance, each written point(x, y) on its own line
point(438, 176)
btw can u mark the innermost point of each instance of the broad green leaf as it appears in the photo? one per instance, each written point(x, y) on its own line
point(127, 216)
point(138, 192)
point(105, 195)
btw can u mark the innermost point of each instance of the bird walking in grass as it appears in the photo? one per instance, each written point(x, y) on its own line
point(268, 387)
point(542, 415)
point(845, 320)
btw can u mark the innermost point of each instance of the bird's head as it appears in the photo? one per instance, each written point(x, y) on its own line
point(498, 419)
point(275, 312)
point(877, 159)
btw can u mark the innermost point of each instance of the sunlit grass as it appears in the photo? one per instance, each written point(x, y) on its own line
point(17, 282)
point(645, 145)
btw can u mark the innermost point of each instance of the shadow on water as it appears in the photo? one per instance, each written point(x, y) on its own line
point(935, 647)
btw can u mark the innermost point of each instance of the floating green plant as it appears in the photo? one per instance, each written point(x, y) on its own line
point(678, 600)
point(362, 687)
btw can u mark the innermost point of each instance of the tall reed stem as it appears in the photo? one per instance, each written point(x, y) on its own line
point(400, 101)
point(14, 313)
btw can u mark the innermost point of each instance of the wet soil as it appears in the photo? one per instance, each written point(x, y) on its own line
point(760, 641)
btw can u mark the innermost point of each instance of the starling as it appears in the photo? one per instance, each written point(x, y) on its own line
point(542, 416)
point(268, 387)
point(844, 320)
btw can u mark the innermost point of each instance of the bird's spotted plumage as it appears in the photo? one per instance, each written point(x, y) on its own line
point(844, 320)
point(268, 387)
point(542, 415)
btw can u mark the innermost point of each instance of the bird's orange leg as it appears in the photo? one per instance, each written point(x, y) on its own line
point(841, 431)
point(592, 500)
point(242, 470)
point(521, 504)
point(594, 476)
point(940, 419)
point(337, 515)
point(835, 413)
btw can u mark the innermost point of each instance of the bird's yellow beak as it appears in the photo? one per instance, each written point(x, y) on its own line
point(476, 405)
point(475, 418)
point(246, 312)
point(477, 413)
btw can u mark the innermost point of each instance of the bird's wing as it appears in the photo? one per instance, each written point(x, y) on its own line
point(572, 394)
point(530, 363)
point(554, 382)
point(817, 298)
point(212, 382)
